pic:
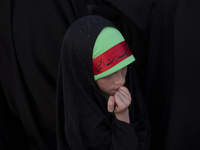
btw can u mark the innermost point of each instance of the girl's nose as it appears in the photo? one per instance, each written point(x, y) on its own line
point(119, 78)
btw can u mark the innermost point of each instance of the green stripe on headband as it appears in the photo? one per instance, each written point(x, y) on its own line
point(108, 38)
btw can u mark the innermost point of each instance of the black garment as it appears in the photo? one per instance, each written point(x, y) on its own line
point(173, 76)
point(7, 132)
point(83, 121)
point(31, 34)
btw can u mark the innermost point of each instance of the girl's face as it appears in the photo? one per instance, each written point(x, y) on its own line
point(111, 83)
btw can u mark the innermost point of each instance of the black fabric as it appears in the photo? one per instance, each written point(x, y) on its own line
point(173, 82)
point(8, 135)
point(159, 78)
point(83, 120)
point(31, 34)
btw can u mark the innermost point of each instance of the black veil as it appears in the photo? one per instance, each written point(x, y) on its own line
point(82, 118)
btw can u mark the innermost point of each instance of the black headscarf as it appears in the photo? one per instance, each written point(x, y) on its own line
point(83, 121)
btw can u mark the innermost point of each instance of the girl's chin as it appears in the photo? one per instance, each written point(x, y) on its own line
point(113, 92)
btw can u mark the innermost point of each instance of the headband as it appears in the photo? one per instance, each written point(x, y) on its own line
point(110, 53)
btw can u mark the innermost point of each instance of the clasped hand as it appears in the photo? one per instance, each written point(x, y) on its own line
point(119, 104)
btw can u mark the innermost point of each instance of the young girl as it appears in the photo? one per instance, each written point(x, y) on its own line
point(96, 108)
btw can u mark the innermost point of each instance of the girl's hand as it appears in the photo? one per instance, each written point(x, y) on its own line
point(119, 104)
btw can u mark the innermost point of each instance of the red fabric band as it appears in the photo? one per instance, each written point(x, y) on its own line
point(111, 57)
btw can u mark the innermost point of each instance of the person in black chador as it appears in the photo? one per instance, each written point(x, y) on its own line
point(31, 34)
point(96, 109)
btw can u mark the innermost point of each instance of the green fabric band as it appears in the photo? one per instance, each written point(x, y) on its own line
point(108, 38)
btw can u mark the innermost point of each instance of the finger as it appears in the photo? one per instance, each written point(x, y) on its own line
point(126, 100)
point(120, 105)
point(124, 95)
point(111, 104)
point(120, 95)
point(125, 89)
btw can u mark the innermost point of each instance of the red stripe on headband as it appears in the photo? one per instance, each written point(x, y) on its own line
point(111, 57)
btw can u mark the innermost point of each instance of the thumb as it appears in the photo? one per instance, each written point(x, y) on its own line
point(111, 104)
